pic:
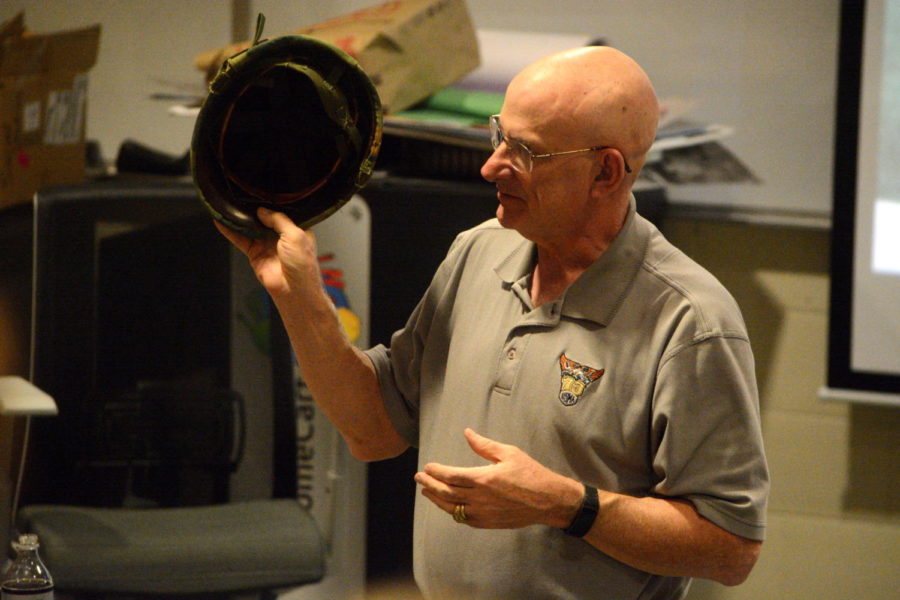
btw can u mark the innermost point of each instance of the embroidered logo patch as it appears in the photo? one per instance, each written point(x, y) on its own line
point(574, 379)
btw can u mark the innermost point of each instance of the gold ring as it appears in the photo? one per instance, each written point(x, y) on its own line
point(459, 513)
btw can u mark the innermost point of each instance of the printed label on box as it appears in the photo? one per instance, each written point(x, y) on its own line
point(31, 117)
point(65, 114)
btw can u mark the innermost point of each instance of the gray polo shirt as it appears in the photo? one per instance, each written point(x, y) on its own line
point(638, 379)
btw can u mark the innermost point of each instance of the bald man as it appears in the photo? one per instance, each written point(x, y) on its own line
point(582, 394)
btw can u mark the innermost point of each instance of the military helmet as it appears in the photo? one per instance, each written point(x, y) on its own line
point(293, 124)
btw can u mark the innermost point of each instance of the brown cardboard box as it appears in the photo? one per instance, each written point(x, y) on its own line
point(409, 48)
point(43, 96)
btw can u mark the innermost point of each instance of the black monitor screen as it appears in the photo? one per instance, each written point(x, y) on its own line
point(130, 286)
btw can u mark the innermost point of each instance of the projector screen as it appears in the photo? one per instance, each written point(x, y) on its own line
point(864, 343)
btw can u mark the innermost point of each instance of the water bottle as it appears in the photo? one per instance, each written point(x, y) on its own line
point(27, 575)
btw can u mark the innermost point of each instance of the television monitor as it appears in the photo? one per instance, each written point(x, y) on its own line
point(864, 336)
point(128, 285)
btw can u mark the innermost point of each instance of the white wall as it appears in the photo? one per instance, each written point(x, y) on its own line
point(145, 47)
point(765, 67)
point(148, 47)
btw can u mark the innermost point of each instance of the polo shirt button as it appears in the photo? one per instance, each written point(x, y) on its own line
point(511, 353)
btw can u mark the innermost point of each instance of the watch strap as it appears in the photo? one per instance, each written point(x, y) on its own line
point(587, 514)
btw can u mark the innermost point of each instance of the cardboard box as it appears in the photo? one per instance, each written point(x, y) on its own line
point(43, 96)
point(410, 49)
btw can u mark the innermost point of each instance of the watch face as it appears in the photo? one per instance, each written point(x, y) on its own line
point(292, 124)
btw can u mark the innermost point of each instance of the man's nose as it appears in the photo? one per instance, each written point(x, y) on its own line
point(496, 166)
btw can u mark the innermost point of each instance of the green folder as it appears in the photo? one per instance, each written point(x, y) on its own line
point(458, 106)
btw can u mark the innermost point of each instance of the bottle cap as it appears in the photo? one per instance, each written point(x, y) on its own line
point(27, 541)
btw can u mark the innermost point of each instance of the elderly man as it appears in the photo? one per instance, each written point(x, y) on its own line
point(582, 394)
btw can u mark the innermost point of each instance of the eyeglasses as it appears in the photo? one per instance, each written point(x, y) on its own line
point(521, 157)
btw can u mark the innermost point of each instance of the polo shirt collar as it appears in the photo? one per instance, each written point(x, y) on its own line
point(598, 293)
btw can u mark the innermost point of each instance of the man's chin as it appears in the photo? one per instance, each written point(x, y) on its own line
point(508, 218)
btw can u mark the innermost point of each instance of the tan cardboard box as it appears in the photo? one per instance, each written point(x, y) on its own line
point(410, 49)
point(43, 96)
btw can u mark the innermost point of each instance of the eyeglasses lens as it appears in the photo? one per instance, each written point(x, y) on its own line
point(496, 134)
point(520, 157)
point(517, 154)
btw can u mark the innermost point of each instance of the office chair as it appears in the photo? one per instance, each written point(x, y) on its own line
point(207, 551)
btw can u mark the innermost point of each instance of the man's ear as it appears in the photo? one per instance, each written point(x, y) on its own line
point(611, 172)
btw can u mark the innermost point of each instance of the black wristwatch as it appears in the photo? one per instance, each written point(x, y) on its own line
point(587, 514)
